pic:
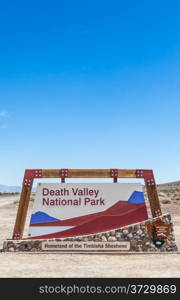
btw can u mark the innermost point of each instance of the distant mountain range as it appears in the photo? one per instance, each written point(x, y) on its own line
point(12, 189)
point(169, 186)
point(9, 189)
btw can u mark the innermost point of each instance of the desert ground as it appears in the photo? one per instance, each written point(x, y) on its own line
point(85, 265)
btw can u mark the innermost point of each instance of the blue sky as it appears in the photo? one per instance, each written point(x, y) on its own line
point(89, 84)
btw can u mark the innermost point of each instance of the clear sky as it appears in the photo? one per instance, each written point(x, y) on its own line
point(89, 84)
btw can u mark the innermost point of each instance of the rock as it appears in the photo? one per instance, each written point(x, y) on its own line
point(171, 237)
point(162, 249)
point(118, 234)
point(5, 245)
point(136, 227)
point(133, 244)
point(113, 233)
point(86, 239)
point(139, 248)
point(130, 235)
point(175, 248)
point(125, 232)
point(34, 250)
point(10, 244)
point(143, 228)
point(169, 249)
point(112, 239)
point(130, 229)
point(11, 249)
point(152, 246)
point(167, 220)
point(97, 239)
point(139, 232)
point(151, 250)
point(170, 243)
point(103, 238)
point(169, 217)
point(81, 239)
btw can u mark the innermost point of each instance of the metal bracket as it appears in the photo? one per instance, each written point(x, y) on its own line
point(63, 174)
point(157, 212)
point(114, 174)
point(37, 173)
point(16, 236)
point(140, 173)
point(147, 175)
point(30, 174)
point(150, 182)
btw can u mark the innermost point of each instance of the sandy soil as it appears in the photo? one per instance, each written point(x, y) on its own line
point(84, 265)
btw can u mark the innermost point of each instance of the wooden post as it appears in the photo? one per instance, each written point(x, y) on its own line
point(32, 174)
point(24, 201)
point(153, 200)
point(22, 213)
point(151, 191)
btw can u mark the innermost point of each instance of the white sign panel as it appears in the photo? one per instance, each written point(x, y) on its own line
point(66, 210)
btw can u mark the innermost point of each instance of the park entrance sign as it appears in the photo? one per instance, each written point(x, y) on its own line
point(92, 217)
point(68, 210)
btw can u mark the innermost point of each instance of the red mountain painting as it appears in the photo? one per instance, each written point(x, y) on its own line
point(120, 214)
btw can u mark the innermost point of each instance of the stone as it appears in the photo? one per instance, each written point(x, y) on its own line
point(5, 245)
point(97, 239)
point(139, 232)
point(151, 250)
point(167, 220)
point(130, 235)
point(136, 227)
point(112, 239)
point(139, 248)
point(113, 233)
point(80, 239)
point(11, 249)
point(125, 232)
point(133, 244)
point(34, 249)
point(104, 238)
point(118, 234)
point(86, 239)
point(10, 244)
point(130, 229)
point(152, 246)
point(162, 249)
point(169, 249)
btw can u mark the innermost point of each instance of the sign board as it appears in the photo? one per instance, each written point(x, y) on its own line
point(64, 210)
point(158, 229)
point(85, 246)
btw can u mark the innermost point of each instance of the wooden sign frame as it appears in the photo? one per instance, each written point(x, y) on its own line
point(31, 174)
